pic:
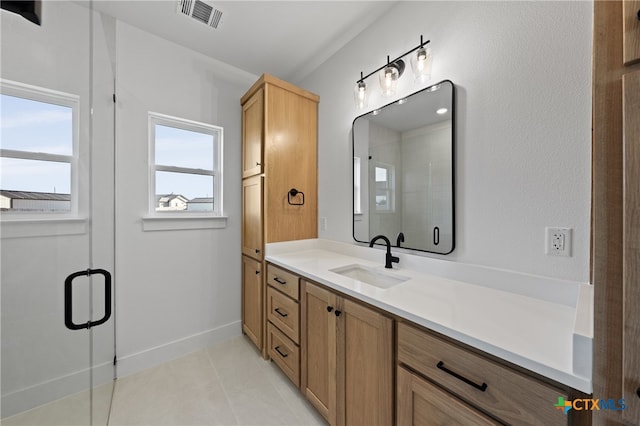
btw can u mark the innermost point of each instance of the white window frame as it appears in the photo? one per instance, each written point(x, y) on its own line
point(387, 189)
point(357, 187)
point(161, 217)
point(40, 94)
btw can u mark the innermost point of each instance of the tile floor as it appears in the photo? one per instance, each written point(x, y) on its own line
point(225, 384)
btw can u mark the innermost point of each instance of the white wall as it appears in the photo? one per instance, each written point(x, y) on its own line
point(522, 72)
point(178, 290)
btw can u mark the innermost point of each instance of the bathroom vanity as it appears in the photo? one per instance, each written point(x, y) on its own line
point(417, 344)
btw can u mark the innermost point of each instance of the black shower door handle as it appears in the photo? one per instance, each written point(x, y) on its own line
point(68, 299)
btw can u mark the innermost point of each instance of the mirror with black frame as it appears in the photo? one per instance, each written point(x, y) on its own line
point(403, 171)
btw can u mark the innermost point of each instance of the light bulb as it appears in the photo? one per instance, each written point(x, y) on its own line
point(388, 80)
point(360, 95)
point(421, 65)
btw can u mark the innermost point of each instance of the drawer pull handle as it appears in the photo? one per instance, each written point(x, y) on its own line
point(329, 308)
point(279, 281)
point(337, 312)
point(282, 314)
point(482, 387)
point(283, 355)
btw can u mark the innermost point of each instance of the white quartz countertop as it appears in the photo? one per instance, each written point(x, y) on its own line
point(540, 334)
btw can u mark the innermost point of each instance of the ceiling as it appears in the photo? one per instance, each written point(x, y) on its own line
point(288, 39)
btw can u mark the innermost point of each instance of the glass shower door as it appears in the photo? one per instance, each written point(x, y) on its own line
point(56, 217)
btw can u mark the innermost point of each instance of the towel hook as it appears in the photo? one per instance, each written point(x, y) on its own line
point(293, 193)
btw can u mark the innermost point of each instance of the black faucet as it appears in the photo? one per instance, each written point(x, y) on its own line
point(400, 239)
point(389, 259)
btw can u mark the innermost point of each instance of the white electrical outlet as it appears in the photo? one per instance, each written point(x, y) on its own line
point(558, 241)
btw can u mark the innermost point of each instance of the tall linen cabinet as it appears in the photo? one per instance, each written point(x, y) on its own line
point(279, 184)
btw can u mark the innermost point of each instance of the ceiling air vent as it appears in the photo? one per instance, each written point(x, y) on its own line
point(201, 12)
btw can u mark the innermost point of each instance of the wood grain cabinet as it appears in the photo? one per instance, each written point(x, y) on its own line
point(631, 31)
point(252, 136)
point(283, 326)
point(420, 402)
point(347, 359)
point(480, 387)
point(252, 217)
point(615, 209)
point(252, 299)
point(279, 154)
point(631, 227)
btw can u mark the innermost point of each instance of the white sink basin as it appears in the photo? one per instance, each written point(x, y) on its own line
point(370, 276)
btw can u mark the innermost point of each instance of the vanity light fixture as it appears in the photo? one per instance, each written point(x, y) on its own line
point(421, 64)
point(360, 93)
point(393, 70)
point(389, 77)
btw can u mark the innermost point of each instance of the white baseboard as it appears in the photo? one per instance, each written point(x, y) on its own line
point(60, 387)
point(134, 363)
point(54, 389)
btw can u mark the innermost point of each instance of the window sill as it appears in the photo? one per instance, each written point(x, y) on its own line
point(42, 227)
point(173, 222)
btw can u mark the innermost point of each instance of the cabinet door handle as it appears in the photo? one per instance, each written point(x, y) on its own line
point(257, 272)
point(482, 387)
point(257, 250)
point(282, 314)
point(283, 355)
point(258, 164)
point(337, 312)
point(329, 308)
point(279, 281)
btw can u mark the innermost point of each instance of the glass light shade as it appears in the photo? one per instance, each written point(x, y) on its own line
point(360, 95)
point(421, 65)
point(388, 80)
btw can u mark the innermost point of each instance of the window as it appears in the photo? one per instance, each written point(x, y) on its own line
point(186, 167)
point(357, 209)
point(38, 150)
point(385, 187)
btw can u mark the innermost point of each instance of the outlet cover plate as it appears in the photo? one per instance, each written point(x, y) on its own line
point(558, 241)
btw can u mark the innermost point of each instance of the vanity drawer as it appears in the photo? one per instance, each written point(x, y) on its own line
point(284, 281)
point(284, 313)
point(284, 352)
point(496, 389)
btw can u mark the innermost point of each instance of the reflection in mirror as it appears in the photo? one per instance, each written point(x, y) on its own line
point(403, 171)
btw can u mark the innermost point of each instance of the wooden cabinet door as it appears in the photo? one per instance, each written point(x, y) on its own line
point(631, 31)
point(291, 159)
point(252, 299)
point(252, 217)
point(252, 135)
point(318, 344)
point(422, 403)
point(631, 248)
point(366, 339)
